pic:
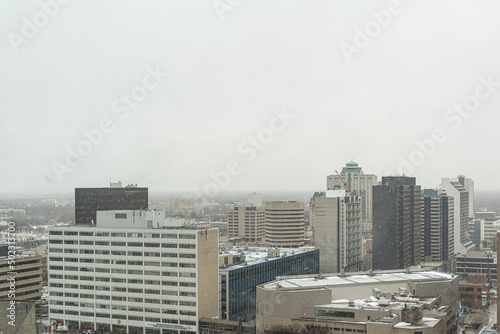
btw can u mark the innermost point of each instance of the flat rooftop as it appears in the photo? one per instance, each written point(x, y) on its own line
point(333, 280)
point(373, 303)
point(255, 255)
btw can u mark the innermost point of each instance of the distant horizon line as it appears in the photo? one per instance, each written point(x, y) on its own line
point(221, 193)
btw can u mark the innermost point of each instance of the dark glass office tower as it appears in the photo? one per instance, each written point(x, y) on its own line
point(90, 200)
point(396, 223)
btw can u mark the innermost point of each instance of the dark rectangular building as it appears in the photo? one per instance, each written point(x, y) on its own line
point(396, 223)
point(90, 200)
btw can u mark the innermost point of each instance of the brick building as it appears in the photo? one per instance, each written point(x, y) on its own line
point(474, 292)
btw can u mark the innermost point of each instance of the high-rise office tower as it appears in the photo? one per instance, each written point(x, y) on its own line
point(437, 232)
point(359, 184)
point(461, 196)
point(284, 224)
point(90, 200)
point(247, 222)
point(337, 218)
point(396, 223)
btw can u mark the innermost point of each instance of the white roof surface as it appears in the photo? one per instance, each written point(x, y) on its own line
point(357, 279)
point(254, 255)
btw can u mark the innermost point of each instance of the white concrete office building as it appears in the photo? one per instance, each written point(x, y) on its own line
point(337, 217)
point(140, 280)
point(461, 197)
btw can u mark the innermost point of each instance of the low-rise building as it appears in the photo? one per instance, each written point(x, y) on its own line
point(21, 277)
point(477, 262)
point(222, 226)
point(474, 292)
point(241, 269)
point(385, 302)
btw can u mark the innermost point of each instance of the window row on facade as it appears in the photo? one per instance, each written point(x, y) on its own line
point(118, 243)
point(141, 300)
point(124, 317)
point(124, 262)
point(123, 234)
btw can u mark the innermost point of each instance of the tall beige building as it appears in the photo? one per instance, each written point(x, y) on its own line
point(359, 184)
point(337, 217)
point(284, 224)
point(247, 222)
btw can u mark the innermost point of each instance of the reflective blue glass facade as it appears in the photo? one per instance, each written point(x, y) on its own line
point(237, 285)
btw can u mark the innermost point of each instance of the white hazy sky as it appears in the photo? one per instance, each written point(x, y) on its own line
point(228, 72)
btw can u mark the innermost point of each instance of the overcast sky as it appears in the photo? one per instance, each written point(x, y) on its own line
point(179, 91)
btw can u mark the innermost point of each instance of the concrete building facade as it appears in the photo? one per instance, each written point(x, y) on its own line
point(461, 205)
point(491, 227)
point(247, 222)
point(474, 292)
point(139, 280)
point(359, 184)
point(255, 199)
point(338, 233)
point(382, 302)
point(396, 223)
point(137, 219)
point(477, 263)
point(27, 282)
point(285, 223)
